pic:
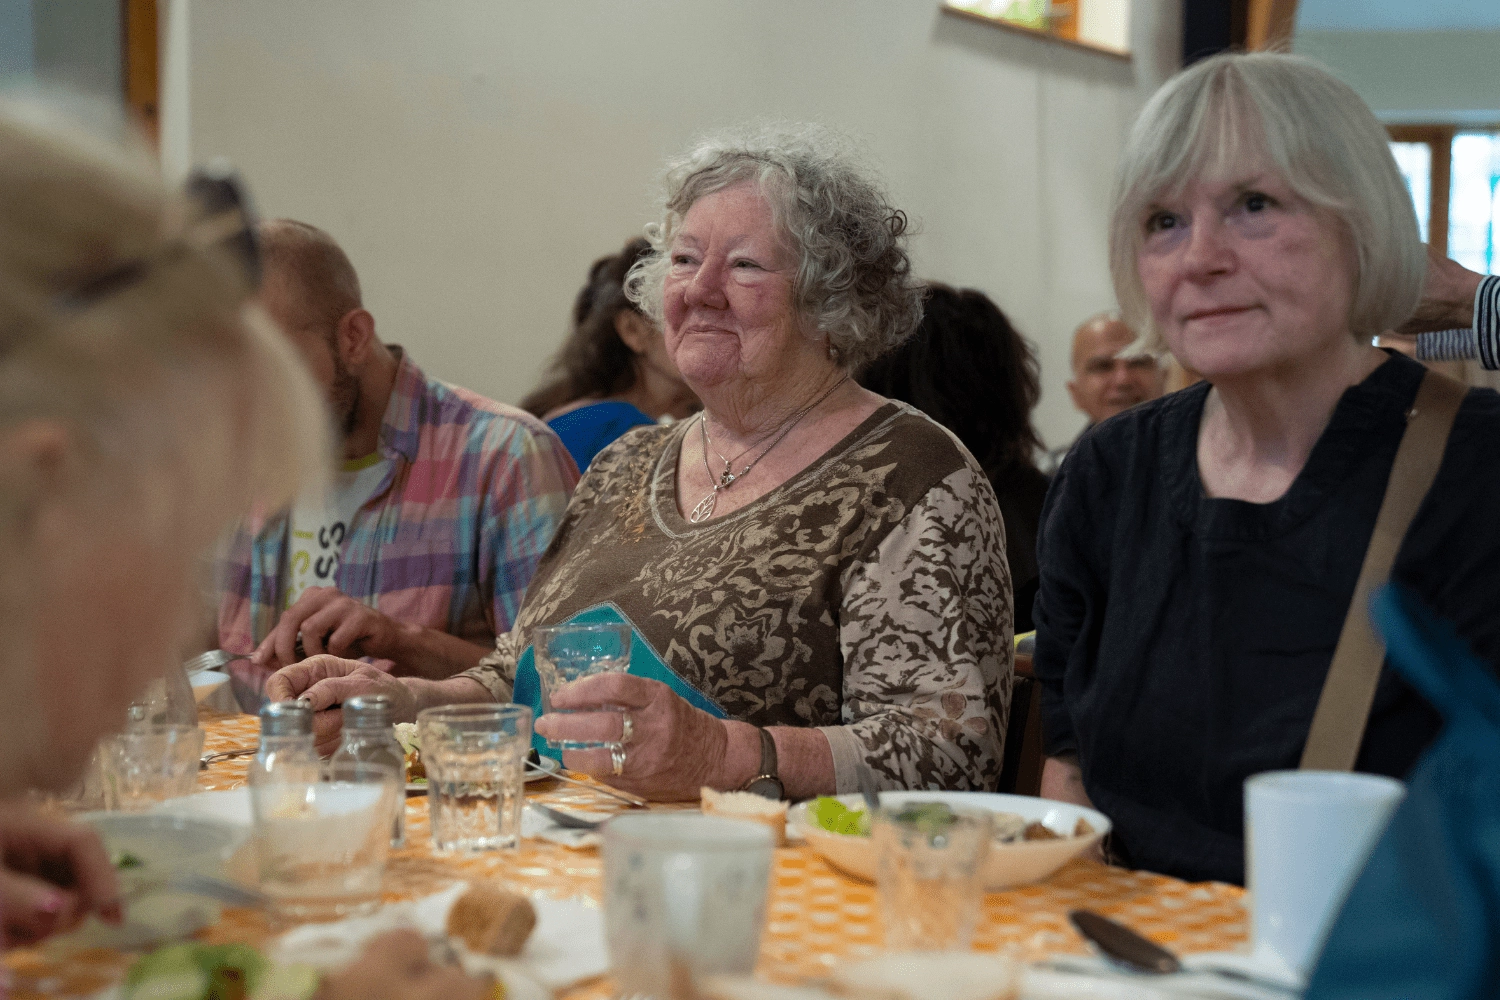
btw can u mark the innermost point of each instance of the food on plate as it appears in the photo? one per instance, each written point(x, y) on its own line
point(747, 806)
point(492, 920)
point(197, 972)
point(124, 861)
point(1008, 828)
point(411, 747)
point(928, 976)
point(835, 817)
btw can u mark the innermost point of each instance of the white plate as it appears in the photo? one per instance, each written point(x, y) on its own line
point(1008, 865)
point(549, 767)
point(163, 842)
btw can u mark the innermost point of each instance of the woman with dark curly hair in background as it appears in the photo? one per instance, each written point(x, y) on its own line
point(967, 368)
point(613, 372)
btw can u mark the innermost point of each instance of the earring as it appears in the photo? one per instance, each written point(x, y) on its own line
point(833, 352)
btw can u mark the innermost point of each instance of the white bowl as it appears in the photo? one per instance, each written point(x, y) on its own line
point(1008, 865)
point(163, 843)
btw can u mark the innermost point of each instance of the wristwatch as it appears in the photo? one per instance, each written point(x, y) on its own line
point(766, 783)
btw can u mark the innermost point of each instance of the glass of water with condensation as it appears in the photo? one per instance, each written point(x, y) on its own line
point(567, 653)
point(475, 756)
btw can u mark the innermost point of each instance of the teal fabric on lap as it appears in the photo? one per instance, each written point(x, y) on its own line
point(644, 662)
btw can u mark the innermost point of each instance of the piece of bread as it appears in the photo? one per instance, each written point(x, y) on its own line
point(747, 806)
point(928, 976)
point(492, 920)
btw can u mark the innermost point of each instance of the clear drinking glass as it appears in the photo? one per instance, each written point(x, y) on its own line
point(475, 759)
point(566, 653)
point(929, 866)
point(684, 896)
point(149, 764)
point(322, 845)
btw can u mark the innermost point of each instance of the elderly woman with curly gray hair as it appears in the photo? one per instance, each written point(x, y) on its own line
point(815, 575)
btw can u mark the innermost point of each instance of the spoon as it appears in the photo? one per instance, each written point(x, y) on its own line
point(566, 820)
point(1135, 952)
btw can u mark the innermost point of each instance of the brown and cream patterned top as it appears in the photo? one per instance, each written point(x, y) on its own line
point(868, 596)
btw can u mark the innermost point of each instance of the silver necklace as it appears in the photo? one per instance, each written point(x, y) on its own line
point(705, 507)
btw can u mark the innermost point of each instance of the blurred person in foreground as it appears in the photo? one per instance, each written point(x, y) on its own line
point(1109, 377)
point(815, 575)
point(1199, 552)
point(442, 505)
point(613, 372)
point(967, 368)
point(144, 405)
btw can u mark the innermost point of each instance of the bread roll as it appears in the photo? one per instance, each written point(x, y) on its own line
point(492, 920)
point(747, 806)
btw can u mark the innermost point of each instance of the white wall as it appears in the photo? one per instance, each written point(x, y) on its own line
point(473, 156)
point(1415, 76)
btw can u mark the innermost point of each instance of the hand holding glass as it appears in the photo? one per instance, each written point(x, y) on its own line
point(566, 653)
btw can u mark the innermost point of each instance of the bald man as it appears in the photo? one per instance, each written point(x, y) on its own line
point(440, 508)
point(1103, 383)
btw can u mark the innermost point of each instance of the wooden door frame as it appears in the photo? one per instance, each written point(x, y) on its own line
point(1269, 24)
point(140, 45)
point(1439, 139)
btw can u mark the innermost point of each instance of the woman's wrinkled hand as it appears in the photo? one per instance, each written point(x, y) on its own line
point(674, 750)
point(55, 873)
point(327, 682)
point(397, 966)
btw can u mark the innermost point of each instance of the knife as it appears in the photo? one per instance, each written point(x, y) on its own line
point(1123, 944)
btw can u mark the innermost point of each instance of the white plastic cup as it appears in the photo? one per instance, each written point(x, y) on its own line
point(1308, 835)
point(684, 896)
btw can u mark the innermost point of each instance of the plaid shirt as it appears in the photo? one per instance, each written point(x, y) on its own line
point(449, 540)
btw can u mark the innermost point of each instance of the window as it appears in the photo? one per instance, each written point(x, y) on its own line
point(1100, 25)
point(1454, 179)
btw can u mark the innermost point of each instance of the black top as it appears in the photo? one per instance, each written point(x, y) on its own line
point(1021, 491)
point(1183, 641)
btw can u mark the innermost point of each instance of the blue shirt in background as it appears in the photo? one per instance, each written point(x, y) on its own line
point(587, 430)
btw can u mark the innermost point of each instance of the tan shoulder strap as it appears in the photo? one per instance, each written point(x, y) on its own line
point(1338, 726)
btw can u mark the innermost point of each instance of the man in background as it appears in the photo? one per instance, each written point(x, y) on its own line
point(441, 506)
point(1105, 383)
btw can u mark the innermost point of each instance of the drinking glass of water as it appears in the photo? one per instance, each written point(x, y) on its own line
point(929, 861)
point(475, 756)
point(566, 653)
point(322, 845)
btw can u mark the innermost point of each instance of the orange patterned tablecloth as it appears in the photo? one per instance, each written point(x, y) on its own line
point(815, 916)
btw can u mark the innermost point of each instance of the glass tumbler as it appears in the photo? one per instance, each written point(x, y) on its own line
point(149, 764)
point(929, 875)
point(566, 653)
point(322, 845)
point(684, 895)
point(475, 756)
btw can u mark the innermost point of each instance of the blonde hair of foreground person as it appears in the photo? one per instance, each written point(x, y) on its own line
point(1317, 132)
point(134, 429)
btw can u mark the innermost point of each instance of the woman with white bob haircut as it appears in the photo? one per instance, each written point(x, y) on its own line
point(814, 575)
point(1199, 553)
point(145, 404)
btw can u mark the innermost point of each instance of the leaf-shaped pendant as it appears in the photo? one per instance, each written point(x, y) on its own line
point(705, 508)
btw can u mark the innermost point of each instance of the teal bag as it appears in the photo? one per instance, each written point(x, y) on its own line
point(1423, 920)
point(644, 662)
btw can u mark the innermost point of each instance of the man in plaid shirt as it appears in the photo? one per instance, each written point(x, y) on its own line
point(445, 501)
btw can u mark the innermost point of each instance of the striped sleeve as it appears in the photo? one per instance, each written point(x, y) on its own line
point(1480, 341)
point(1487, 321)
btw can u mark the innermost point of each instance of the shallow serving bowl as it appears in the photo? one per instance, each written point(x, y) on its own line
point(1008, 865)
